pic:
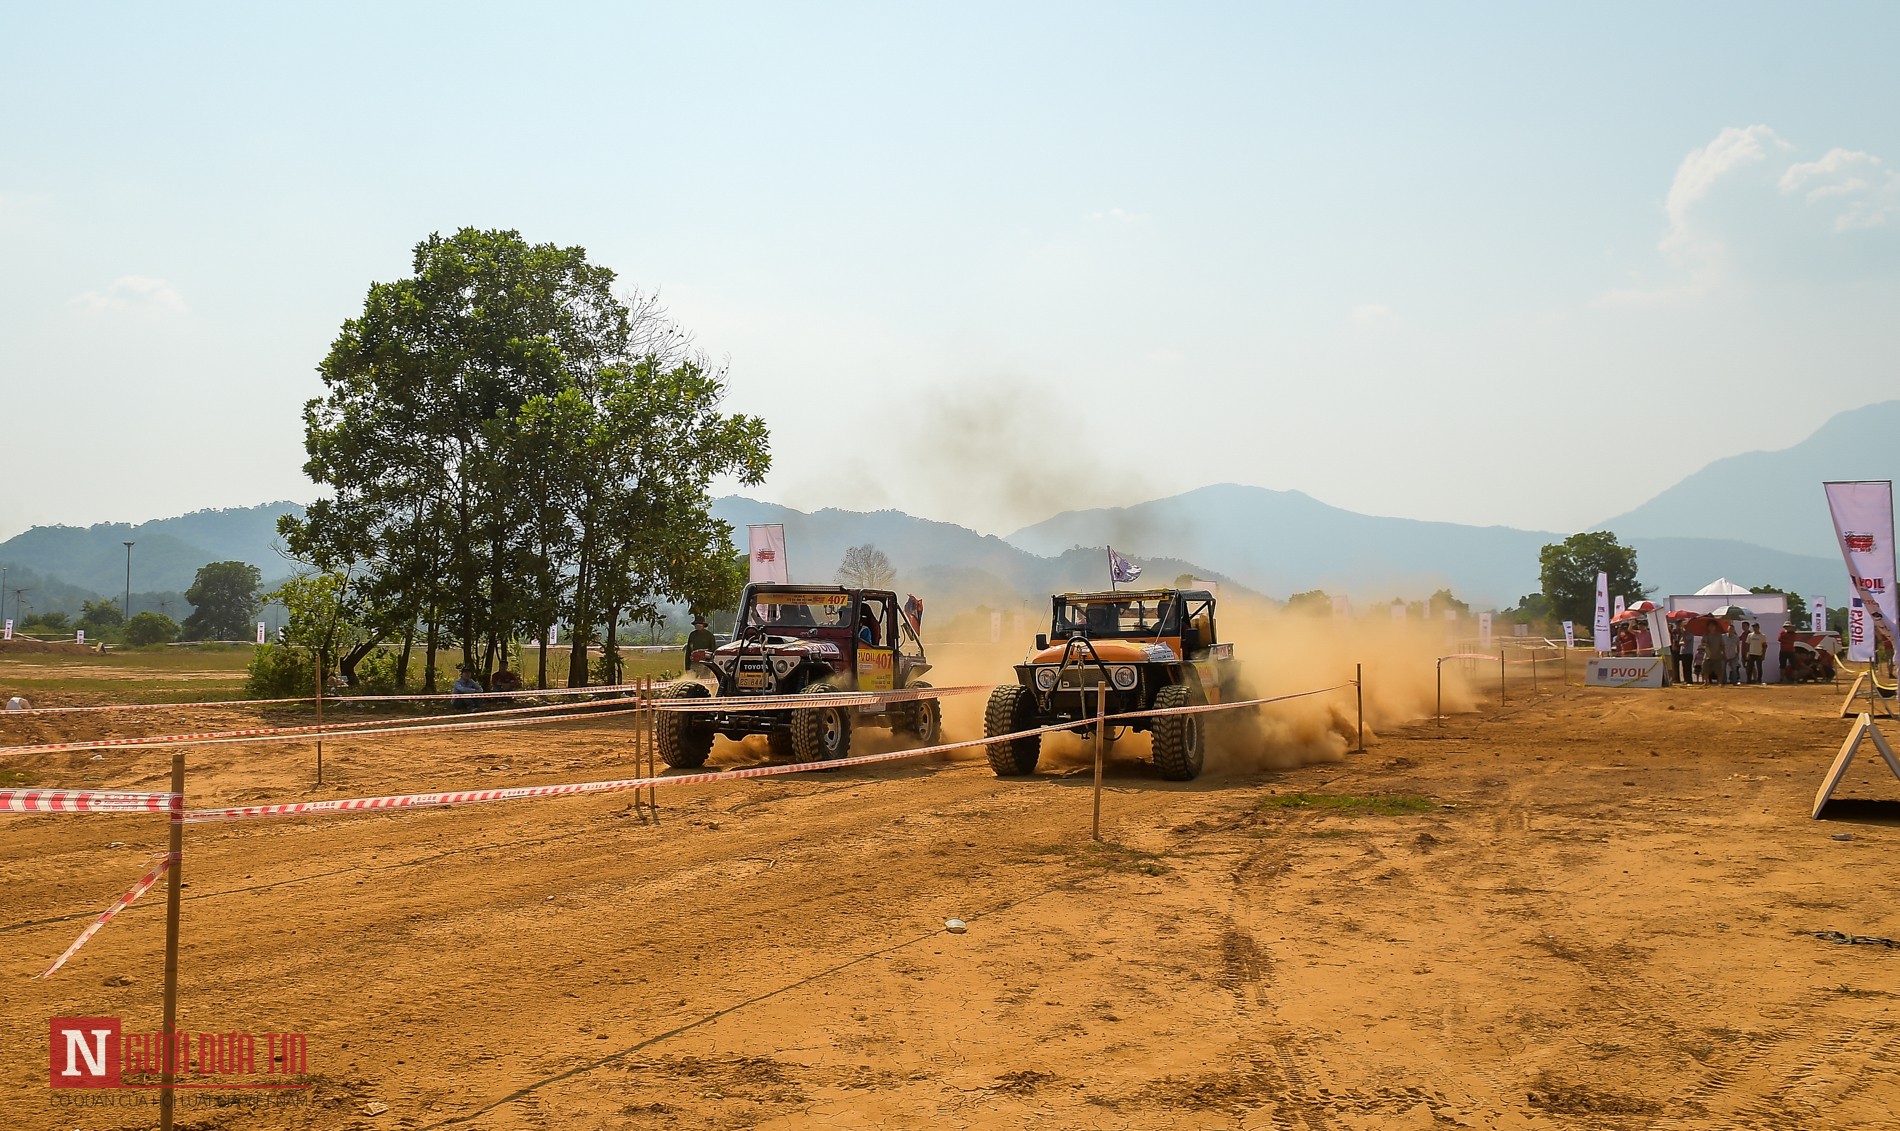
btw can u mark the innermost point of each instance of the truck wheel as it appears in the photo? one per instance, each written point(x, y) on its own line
point(923, 720)
point(1012, 708)
point(779, 744)
point(1180, 741)
point(685, 739)
point(820, 734)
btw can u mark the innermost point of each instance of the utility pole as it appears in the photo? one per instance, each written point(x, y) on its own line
point(19, 609)
point(3, 592)
point(126, 609)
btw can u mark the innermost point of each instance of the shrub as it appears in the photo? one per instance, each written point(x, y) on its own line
point(376, 673)
point(150, 628)
point(278, 671)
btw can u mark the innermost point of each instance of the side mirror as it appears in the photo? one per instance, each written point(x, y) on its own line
point(1042, 641)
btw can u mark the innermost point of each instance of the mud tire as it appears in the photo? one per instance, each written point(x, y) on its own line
point(821, 734)
point(779, 744)
point(923, 720)
point(684, 738)
point(1012, 707)
point(1180, 741)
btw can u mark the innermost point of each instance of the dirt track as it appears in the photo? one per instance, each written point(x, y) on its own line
point(1603, 921)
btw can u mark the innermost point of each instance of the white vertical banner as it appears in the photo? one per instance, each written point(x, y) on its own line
point(766, 549)
point(554, 635)
point(1342, 608)
point(1427, 614)
point(1860, 642)
point(1616, 610)
point(1602, 623)
point(8, 630)
point(260, 632)
point(1817, 614)
point(80, 638)
point(1018, 622)
point(1484, 630)
point(1398, 610)
point(1451, 616)
point(1658, 631)
point(1863, 522)
point(1570, 634)
point(996, 627)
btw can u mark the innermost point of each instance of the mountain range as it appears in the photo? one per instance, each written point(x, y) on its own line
point(1758, 518)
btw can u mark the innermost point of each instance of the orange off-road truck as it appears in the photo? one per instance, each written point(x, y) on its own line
point(1151, 649)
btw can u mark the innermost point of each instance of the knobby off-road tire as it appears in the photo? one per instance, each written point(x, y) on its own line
point(685, 739)
point(923, 720)
point(779, 744)
point(1012, 707)
point(1180, 741)
point(821, 734)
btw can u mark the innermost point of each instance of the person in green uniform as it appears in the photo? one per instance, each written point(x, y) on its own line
point(698, 640)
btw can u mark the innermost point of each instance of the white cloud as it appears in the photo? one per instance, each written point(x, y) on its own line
point(1696, 177)
point(140, 293)
point(1372, 313)
point(1865, 193)
point(1118, 216)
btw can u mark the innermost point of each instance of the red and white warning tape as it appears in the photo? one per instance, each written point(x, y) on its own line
point(520, 793)
point(524, 693)
point(160, 862)
point(86, 801)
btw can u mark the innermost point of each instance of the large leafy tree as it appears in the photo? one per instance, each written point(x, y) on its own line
point(507, 443)
point(224, 599)
point(1568, 572)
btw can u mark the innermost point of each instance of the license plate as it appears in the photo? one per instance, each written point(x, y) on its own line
point(752, 680)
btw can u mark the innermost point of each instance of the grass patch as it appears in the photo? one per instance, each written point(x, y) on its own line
point(16, 779)
point(1110, 857)
point(1351, 804)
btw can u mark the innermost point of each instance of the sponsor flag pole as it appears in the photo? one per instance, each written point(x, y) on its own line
point(168, 1066)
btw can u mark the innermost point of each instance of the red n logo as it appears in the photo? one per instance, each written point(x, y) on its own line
point(83, 1052)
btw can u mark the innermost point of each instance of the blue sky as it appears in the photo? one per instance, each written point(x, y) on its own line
point(1482, 263)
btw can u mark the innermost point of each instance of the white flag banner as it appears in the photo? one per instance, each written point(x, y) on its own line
point(1603, 612)
point(1617, 609)
point(1570, 634)
point(8, 630)
point(1658, 631)
point(1863, 522)
point(1398, 610)
point(1817, 614)
point(1342, 608)
point(554, 635)
point(260, 632)
point(1860, 642)
point(767, 551)
point(1484, 630)
point(81, 638)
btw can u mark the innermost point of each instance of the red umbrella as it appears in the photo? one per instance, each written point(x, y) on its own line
point(1681, 615)
point(1642, 607)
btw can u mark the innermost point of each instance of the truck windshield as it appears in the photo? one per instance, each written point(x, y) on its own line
point(1100, 619)
point(800, 610)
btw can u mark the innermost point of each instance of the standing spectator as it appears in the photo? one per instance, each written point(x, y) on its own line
point(1685, 653)
point(700, 639)
point(1754, 648)
point(1784, 644)
point(1714, 657)
point(1732, 652)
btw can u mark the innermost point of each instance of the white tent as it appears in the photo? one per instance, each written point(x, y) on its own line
point(1770, 609)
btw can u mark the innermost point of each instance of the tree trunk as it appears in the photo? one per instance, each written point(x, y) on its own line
point(610, 652)
point(402, 660)
point(541, 676)
point(428, 660)
point(583, 621)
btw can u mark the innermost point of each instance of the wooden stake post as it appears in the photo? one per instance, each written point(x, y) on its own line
point(168, 1072)
point(1101, 723)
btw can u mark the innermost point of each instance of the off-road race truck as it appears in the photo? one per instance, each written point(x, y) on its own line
point(1152, 649)
point(804, 640)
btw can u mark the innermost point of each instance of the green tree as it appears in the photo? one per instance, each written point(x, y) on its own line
point(224, 601)
point(1314, 602)
point(1442, 600)
point(1568, 573)
point(507, 445)
point(95, 616)
point(1797, 605)
point(866, 567)
point(150, 628)
point(47, 624)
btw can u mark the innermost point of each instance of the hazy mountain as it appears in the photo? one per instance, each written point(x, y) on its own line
point(1774, 499)
point(1284, 542)
point(167, 553)
point(952, 566)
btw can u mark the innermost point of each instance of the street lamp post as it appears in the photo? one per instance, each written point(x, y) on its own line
point(126, 609)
